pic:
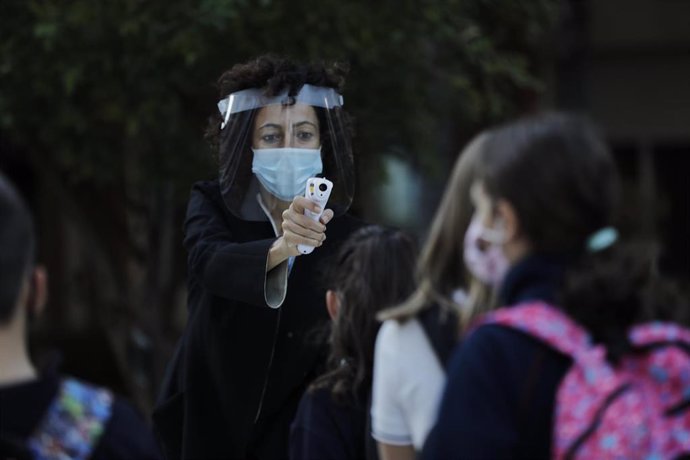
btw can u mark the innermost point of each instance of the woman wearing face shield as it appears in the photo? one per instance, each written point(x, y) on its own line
point(247, 354)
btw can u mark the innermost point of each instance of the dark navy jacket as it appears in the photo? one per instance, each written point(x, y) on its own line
point(325, 429)
point(499, 398)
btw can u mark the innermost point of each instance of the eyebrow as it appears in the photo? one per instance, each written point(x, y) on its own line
point(296, 125)
point(270, 125)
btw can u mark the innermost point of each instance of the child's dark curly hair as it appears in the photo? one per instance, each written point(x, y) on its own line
point(374, 270)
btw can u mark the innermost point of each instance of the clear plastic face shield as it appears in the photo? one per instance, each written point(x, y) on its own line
point(271, 144)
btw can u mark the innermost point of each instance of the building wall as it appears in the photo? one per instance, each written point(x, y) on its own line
point(635, 82)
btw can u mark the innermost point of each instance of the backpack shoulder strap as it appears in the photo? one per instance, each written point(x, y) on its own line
point(441, 330)
point(665, 363)
point(74, 422)
point(657, 333)
point(544, 322)
point(370, 448)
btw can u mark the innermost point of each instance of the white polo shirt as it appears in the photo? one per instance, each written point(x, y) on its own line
point(408, 384)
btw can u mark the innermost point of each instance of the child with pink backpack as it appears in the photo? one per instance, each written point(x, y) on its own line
point(590, 357)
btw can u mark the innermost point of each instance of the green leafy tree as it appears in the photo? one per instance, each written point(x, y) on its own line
point(109, 100)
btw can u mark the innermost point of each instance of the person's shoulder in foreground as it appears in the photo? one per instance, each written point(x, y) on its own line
point(33, 412)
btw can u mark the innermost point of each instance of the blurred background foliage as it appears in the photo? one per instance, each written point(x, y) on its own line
point(105, 103)
point(99, 87)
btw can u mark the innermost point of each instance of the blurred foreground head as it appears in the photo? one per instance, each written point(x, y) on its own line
point(557, 174)
point(21, 284)
point(547, 185)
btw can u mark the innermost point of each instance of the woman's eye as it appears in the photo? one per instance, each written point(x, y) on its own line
point(305, 136)
point(270, 138)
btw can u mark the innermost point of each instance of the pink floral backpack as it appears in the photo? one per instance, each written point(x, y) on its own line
point(637, 410)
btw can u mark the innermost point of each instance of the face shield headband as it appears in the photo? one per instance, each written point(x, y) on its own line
point(254, 98)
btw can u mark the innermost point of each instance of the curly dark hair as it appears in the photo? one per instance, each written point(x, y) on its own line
point(274, 74)
point(373, 270)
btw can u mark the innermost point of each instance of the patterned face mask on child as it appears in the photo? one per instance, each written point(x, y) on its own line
point(488, 265)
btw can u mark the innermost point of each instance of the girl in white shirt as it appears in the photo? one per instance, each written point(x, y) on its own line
point(409, 367)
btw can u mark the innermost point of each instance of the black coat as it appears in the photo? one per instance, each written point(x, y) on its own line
point(240, 368)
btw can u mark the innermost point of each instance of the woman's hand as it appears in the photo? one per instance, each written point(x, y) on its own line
point(298, 229)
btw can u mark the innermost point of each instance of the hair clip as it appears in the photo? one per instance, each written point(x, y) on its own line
point(602, 239)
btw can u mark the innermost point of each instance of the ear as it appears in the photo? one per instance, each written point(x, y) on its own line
point(511, 222)
point(38, 294)
point(332, 304)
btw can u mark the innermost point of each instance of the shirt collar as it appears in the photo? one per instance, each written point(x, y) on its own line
point(535, 277)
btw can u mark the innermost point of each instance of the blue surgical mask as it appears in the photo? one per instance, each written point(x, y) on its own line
point(284, 172)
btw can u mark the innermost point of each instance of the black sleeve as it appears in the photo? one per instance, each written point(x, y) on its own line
point(224, 267)
point(126, 436)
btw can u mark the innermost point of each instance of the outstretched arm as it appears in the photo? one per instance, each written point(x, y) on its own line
point(225, 267)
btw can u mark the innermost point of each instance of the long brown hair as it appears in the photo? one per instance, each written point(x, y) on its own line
point(374, 269)
point(441, 269)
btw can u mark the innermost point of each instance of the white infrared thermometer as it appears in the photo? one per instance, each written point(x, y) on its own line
point(318, 191)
